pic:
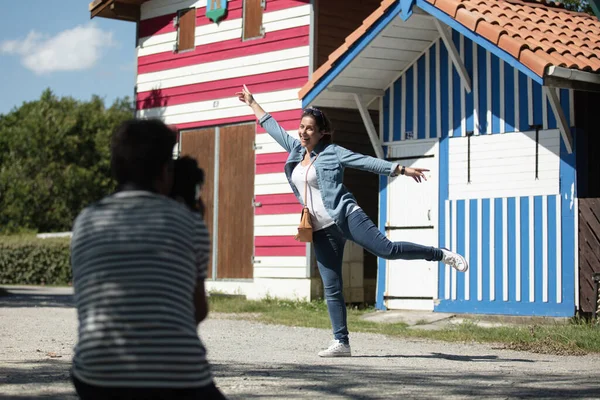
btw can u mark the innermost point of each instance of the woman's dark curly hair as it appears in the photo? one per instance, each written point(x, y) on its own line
point(187, 175)
point(323, 123)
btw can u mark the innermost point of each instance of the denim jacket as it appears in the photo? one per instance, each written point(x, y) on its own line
point(329, 168)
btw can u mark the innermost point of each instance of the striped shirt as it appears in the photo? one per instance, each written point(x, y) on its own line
point(136, 257)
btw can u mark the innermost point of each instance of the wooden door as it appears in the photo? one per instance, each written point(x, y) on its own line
point(588, 191)
point(412, 217)
point(231, 221)
point(236, 195)
point(200, 144)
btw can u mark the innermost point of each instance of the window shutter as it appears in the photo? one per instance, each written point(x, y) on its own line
point(186, 34)
point(253, 15)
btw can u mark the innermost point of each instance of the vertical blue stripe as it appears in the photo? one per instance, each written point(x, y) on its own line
point(443, 196)
point(537, 104)
point(509, 98)
point(485, 248)
point(409, 76)
point(456, 91)
point(512, 244)
point(568, 215)
point(381, 263)
point(537, 232)
point(473, 249)
point(421, 98)
point(495, 94)
point(552, 249)
point(469, 97)
point(386, 116)
point(525, 211)
point(523, 103)
point(565, 103)
point(460, 246)
point(551, 117)
point(498, 240)
point(444, 117)
point(482, 72)
point(442, 243)
point(397, 128)
point(433, 112)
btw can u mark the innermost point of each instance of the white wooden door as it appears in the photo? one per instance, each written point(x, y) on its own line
point(413, 217)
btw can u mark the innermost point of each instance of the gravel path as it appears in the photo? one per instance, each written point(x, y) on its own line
point(252, 360)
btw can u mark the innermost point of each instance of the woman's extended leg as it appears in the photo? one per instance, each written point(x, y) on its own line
point(363, 231)
point(329, 251)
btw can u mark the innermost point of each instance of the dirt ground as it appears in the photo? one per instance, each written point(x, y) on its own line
point(255, 361)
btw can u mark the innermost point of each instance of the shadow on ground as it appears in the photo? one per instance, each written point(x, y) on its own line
point(49, 379)
point(34, 379)
point(452, 357)
point(35, 297)
point(356, 382)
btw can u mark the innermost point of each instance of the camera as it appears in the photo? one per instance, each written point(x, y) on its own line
point(188, 180)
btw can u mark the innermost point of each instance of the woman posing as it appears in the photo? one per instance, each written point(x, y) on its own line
point(335, 215)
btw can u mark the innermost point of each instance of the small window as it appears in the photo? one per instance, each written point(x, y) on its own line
point(186, 30)
point(253, 18)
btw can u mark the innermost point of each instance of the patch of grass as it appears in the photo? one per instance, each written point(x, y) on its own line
point(575, 338)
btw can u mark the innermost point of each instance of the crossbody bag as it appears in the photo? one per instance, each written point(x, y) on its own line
point(305, 230)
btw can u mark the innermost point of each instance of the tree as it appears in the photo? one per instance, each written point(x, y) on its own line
point(578, 5)
point(55, 160)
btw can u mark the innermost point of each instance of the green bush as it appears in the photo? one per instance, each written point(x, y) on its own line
point(27, 260)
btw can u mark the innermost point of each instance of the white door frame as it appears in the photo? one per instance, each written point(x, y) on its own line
point(414, 149)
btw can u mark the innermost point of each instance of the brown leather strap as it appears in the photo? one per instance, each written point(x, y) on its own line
point(306, 181)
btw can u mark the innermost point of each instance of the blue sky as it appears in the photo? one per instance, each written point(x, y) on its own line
point(54, 44)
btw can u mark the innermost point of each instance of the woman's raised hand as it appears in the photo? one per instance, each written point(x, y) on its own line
point(245, 96)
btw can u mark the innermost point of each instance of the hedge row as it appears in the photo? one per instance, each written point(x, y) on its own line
point(26, 260)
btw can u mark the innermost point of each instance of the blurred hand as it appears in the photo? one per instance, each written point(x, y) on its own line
point(245, 96)
point(416, 173)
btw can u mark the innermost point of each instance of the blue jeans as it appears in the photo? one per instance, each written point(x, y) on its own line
point(329, 250)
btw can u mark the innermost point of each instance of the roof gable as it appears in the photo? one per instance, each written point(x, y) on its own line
point(529, 34)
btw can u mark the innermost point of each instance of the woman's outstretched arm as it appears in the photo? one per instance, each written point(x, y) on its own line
point(350, 159)
point(268, 122)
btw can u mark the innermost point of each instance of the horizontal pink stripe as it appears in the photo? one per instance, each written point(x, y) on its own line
point(279, 209)
point(280, 251)
point(277, 241)
point(289, 120)
point(270, 163)
point(266, 246)
point(269, 168)
point(228, 49)
point(164, 23)
point(264, 83)
point(277, 204)
point(276, 199)
point(271, 158)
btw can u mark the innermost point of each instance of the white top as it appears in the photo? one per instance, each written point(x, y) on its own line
point(320, 218)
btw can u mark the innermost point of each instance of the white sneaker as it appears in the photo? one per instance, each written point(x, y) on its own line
point(455, 260)
point(336, 349)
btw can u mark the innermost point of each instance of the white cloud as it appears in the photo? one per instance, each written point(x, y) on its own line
point(70, 50)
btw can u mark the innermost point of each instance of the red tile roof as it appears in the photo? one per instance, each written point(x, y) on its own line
point(537, 33)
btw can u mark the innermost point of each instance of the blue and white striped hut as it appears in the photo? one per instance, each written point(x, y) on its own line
point(495, 98)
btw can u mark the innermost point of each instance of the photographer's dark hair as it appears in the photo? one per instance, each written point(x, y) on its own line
point(323, 123)
point(139, 151)
point(187, 175)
